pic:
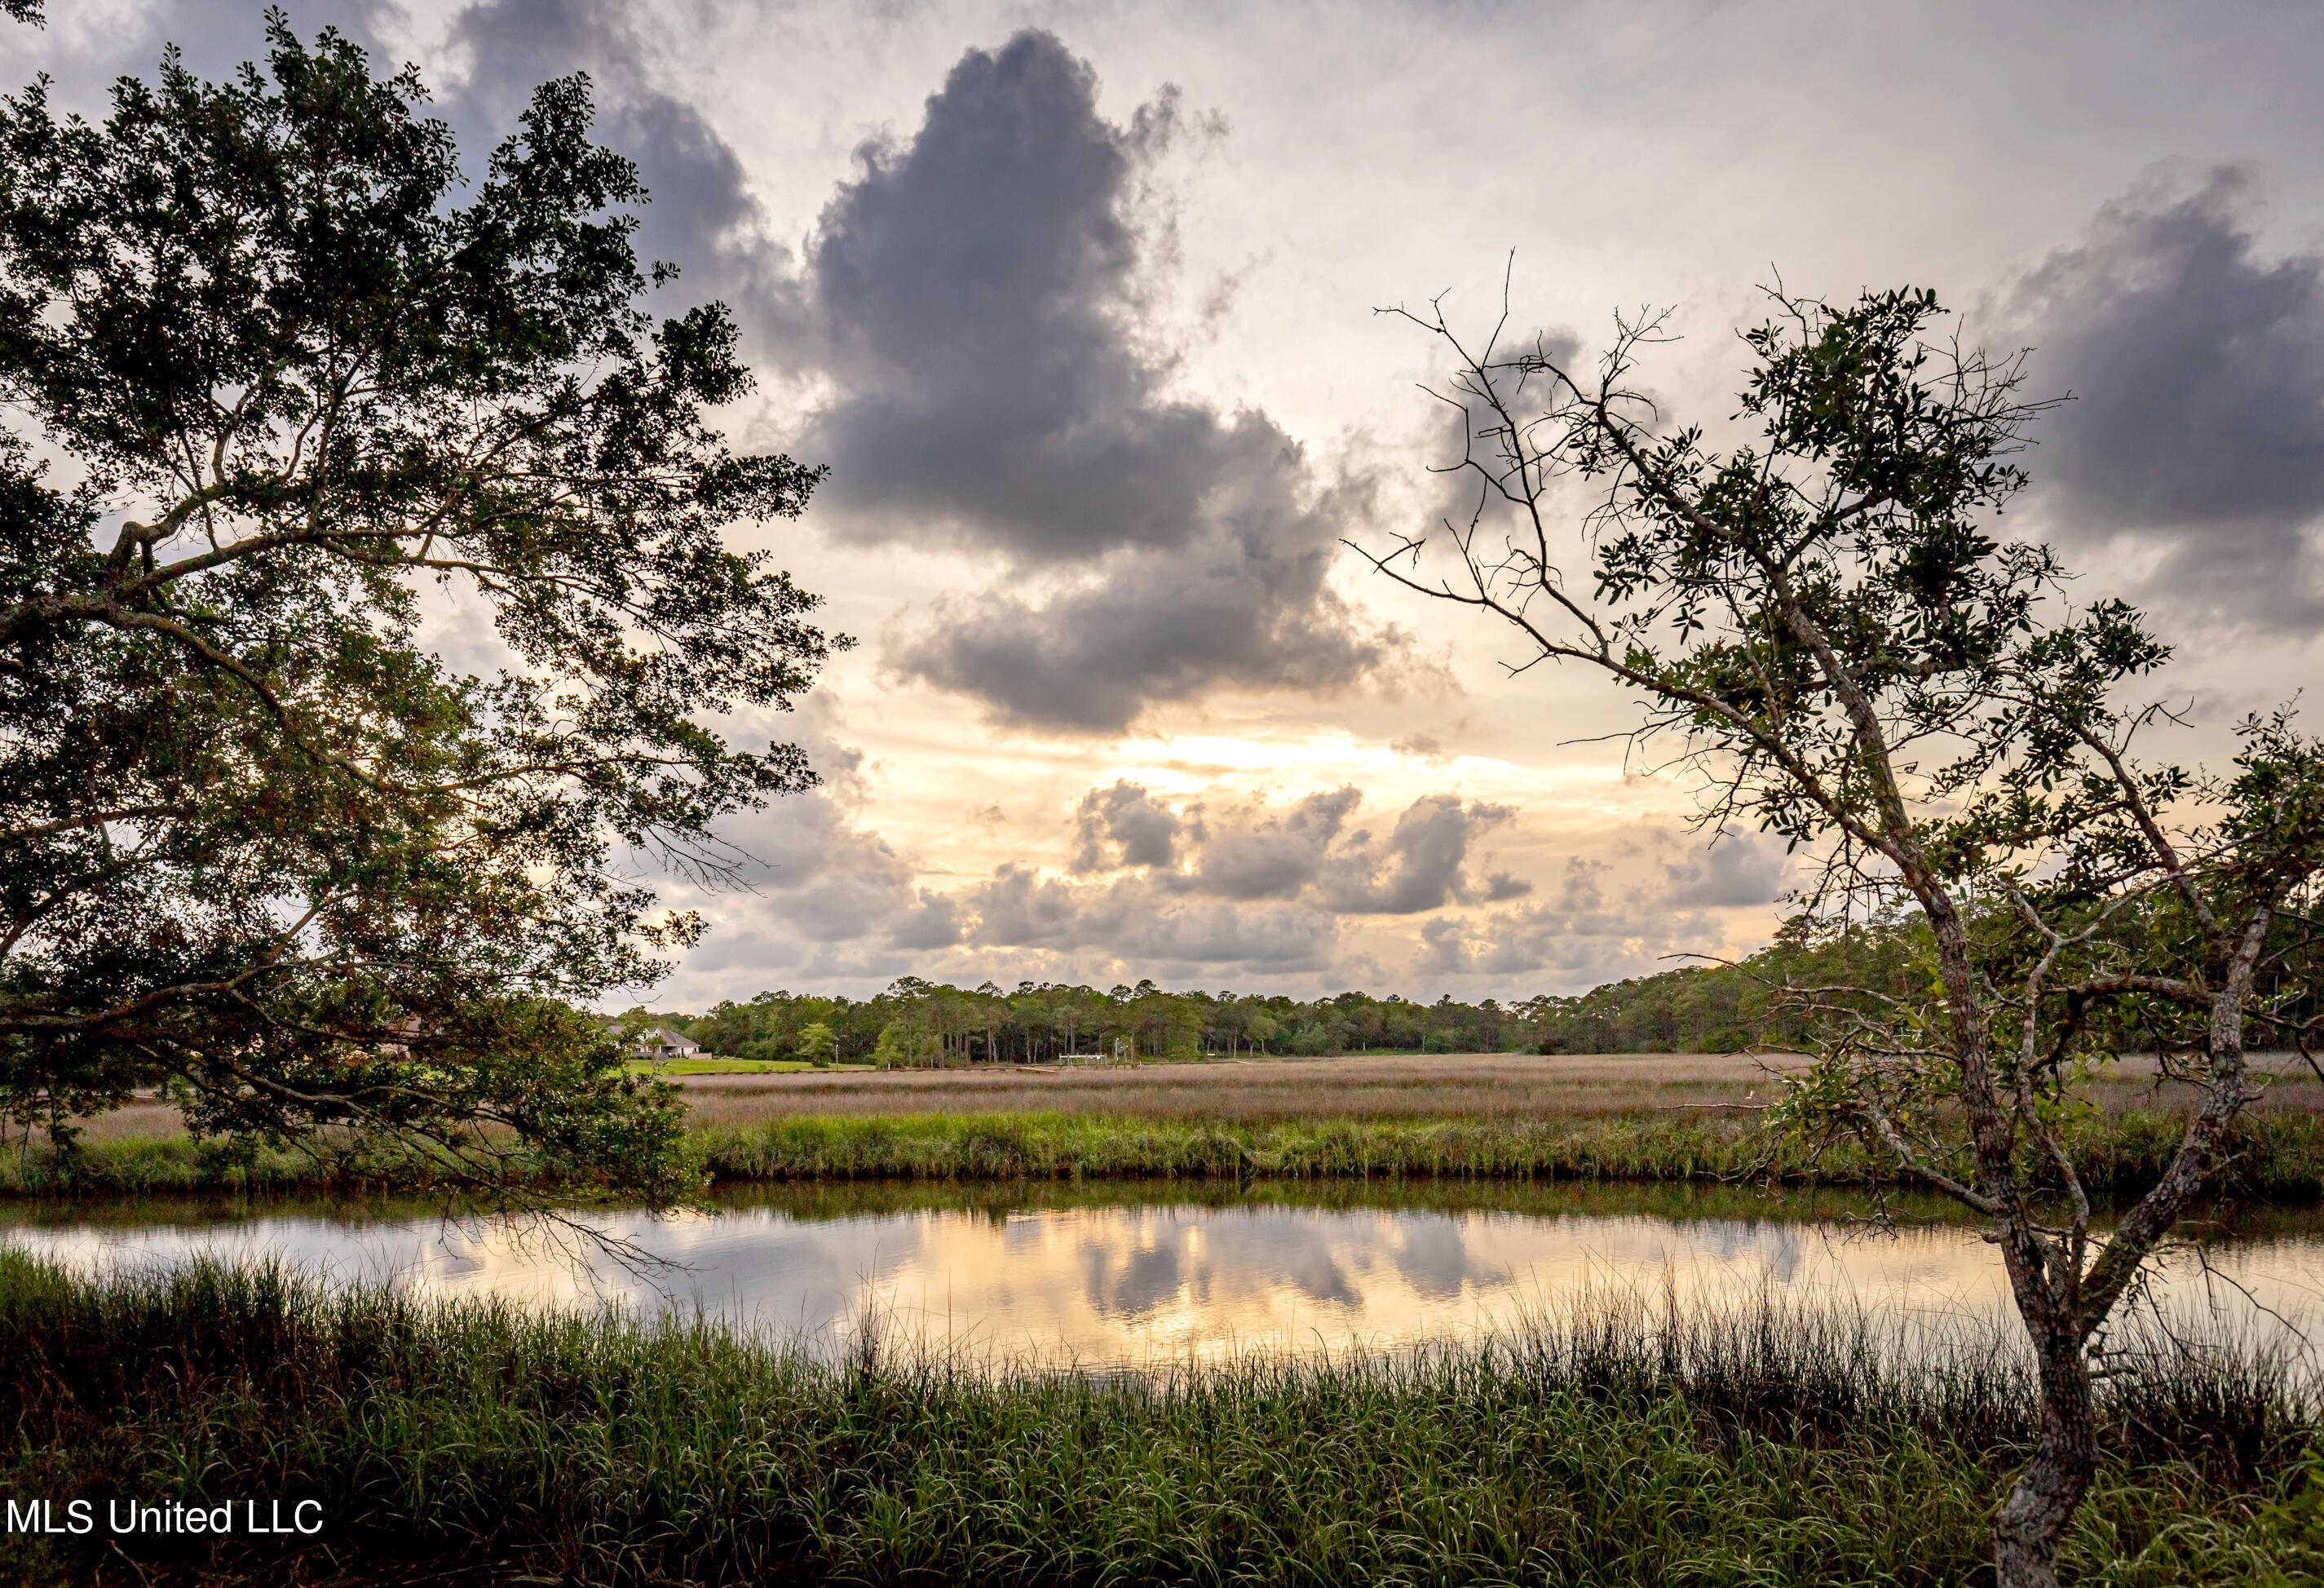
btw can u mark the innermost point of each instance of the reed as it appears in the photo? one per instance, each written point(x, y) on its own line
point(1621, 1443)
point(2280, 1157)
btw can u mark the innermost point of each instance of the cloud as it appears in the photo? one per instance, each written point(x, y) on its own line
point(1124, 825)
point(818, 868)
point(999, 391)
point(1502, 885)
point(1444, 950)
point(84, 47)
point(973, 301)
point(1737, 869)
point(825, 896)
point(933, 923)
point(1594, 925)
point(1250, 887)
point(1133, 921)
point(1427, 748)
point(1254, 851)
point(976, 282)
point(1419, 866)
point(1577, 934)
point(2195, 441)
point(703, 217)
point(975, 304)
point(1247, 889)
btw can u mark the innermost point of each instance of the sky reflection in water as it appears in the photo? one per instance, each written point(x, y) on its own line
point(1148, 1282)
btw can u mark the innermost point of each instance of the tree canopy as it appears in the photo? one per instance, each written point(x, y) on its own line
point(365, 593)
point(1752, 1005)
point(1823, 620)
point(921, 1022)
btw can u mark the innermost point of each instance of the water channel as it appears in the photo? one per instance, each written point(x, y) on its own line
point(1144, 1276)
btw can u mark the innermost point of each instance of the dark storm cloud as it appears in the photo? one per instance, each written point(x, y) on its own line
point(1245, 608)
point(976, 282)
point(974, 301)
point(979, 294)
point(2196, 431)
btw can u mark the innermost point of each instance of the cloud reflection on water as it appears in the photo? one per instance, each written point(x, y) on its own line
point(1159, 1283)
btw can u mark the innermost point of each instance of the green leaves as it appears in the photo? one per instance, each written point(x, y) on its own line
point(257, 840)
point(1848, 654)
point(1825, 619)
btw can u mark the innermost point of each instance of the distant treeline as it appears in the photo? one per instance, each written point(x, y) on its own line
point(1702, 1007)
point(1694, 1008)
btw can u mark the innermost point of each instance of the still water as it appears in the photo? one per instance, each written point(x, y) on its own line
point(1138, 1276)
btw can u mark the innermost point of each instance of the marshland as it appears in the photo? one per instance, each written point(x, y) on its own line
point(1611, 1439)
point(1824, 812)
point(1224, 1341)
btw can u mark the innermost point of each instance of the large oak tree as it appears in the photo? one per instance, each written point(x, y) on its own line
point(289, 395)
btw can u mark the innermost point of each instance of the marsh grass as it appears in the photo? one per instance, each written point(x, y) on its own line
point(2279, 1157)
point(2120, 1146)
point(145, 1167)
point(1376, 1087)
point(1624, 1441)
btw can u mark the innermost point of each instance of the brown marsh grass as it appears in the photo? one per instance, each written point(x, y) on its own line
point(1451, 1086)
point(1458, 1085)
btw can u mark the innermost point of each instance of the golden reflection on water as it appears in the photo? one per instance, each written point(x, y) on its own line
point(1154, 1282)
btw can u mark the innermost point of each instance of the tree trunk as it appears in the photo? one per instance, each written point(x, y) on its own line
point(2050, 1489)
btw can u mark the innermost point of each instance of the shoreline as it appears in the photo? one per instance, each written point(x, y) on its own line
point(1610, 1445)
point(2117, 1155)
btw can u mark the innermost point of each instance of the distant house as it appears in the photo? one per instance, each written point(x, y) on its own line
point(660, 1042)
point(404, 1027)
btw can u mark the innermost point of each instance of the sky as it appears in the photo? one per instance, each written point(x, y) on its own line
point(1080, 304)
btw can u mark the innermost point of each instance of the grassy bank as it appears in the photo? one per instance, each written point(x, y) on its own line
point(2279, 1155)
point(1608, 1447)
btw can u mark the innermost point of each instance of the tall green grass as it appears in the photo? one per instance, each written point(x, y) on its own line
point(2279, 1157)
point(145, 1166)
point(1617, 1445)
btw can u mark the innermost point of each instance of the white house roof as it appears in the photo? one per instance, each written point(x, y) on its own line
point(656, 1037)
